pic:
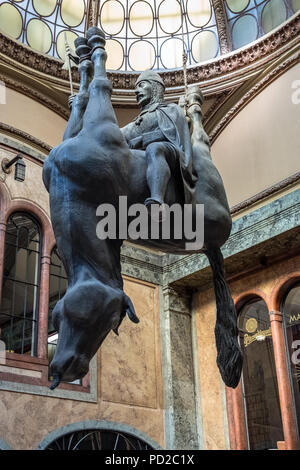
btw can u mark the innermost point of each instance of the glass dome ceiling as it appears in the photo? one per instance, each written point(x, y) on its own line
point(143, 34)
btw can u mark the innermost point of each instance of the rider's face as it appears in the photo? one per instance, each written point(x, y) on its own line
point(143, 91)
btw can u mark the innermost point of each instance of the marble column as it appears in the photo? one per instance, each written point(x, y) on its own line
point(44, 307)
point(238, 412)
point(2, 247)
point(284, 386)
point(178, 373)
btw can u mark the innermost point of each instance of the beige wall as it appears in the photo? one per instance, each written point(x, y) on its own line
point(32, 117)
point(129, 384)
point(261, 144)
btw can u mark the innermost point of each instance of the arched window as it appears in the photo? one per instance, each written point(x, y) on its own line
point(260, 390)
point(291, 311)
point(98, 439)
point(57, 287)
point(21, 282)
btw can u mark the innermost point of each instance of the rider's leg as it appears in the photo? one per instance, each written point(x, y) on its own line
point(158, 171)
point(80, 101)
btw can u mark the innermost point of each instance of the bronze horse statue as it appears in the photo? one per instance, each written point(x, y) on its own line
point(95, 165)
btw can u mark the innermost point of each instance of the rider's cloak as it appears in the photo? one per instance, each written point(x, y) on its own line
point(173, 128)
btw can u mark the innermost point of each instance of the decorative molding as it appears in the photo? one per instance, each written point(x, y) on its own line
point(222, 26)
point(254, 91)
point(253, 231)
point(12, 51)
point(96, 424)
point(90, 12)
point(13, 131)
point(71, 394)
point(12, 144)
point(220, 98)
point(36, 95)
point(266, 193)
point(176, 302)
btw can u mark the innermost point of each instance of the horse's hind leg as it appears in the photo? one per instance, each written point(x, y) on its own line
point(79, 104)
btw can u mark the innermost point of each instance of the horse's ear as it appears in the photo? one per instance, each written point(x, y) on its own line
point(116, 329)
point(130, 310)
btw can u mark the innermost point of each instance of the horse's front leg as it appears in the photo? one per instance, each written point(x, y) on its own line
point(80, 101)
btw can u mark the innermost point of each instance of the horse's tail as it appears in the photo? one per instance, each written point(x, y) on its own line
point(229, 355)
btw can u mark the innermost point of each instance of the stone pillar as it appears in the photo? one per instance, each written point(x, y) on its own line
point(2, 247)
point(284, 386)
point(240, 436)
point(178, 372)
point(44, 307)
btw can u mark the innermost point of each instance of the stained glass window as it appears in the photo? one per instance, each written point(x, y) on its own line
point(250, 19)
point(143, 34)
point(41, 23)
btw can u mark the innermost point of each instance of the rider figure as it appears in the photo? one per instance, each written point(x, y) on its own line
point(162, 131)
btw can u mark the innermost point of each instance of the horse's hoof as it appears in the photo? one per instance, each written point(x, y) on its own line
point(96, 38)
point(151, 200)
point(94, 31)
point(83, 50)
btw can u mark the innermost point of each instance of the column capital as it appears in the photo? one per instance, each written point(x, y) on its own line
point(276, 316)
point(45, 259)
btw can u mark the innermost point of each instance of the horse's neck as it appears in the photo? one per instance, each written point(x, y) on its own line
point(101, 261)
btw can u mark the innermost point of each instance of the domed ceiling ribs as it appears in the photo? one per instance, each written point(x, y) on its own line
point(92, 12)
point(222, 26)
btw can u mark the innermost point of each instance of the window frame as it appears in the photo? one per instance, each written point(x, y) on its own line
point(29, 215)
point(287, 352)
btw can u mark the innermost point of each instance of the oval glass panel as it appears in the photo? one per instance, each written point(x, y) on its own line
point(141, 18)
point(274, 13)
point(296, 5)
point(39, 36)
point(244, 31)
point(60, 42)
point(141, 55)
point(115, 54)
point(205, 46)
point(171, 53)
point(10, 20)
point(199, 13)
point(44, 7)
point(169, 16)
point(72, 12)
point(112, 17)
point(237, 5)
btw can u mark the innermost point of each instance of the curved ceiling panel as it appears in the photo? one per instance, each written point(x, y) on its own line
point(154, 27)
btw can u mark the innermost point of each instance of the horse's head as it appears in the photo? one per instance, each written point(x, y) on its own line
point(83, 318)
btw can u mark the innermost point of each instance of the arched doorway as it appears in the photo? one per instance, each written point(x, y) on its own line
point(259, 382)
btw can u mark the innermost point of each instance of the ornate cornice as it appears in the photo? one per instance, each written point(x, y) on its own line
point(13, 131)
point(275, 188)
point(249, 95)
point(222, 26)
point(14, 52)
